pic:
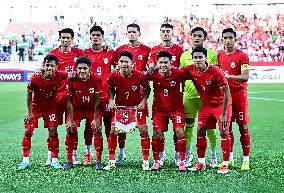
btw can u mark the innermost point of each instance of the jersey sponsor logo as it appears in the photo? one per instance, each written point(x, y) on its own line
point(105, 60)
point(134, 88)
point(92, 90)
point(173, 83)
point(233, 65)
point(174, 58)
point(140, 57)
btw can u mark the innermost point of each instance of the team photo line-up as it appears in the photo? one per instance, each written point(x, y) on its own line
point(111, 87)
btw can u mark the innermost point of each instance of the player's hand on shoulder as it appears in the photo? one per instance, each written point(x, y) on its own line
point(28, 117)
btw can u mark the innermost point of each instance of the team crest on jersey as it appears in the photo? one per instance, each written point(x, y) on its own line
point(140, 57)
point(105, 60)
point(208, 82)
point(233, 65)
point(174, 58)
point(67, 87)
point(125, 115)
point(173, 83)
point(134, 88)
point(92, 90)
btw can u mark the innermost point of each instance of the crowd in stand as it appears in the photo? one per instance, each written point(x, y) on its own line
point(262, 38)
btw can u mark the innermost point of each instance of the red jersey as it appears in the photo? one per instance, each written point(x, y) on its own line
point(66, 60)
point(44, 90)
point(101, 62)
point(174, 49)
point(233, 63)
point(83, 92)
point(128, 88)
point(208, 83)
point(168, 90)
point(140, 55)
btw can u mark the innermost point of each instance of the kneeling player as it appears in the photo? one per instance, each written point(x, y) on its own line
point(213, 89)
point(167, 104)
point(125, 85)
point(83, 103)
point(41, 92)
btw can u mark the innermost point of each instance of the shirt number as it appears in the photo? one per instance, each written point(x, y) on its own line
point(126, 95)
point(166, 92)
point(99, 71)
point(86, 99)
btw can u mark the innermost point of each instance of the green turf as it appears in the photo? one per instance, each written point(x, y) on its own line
point(267, 156)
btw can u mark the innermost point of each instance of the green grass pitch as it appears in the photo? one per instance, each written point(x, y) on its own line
point(266, 105)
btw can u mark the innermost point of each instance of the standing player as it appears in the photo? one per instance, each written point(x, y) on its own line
point(41, 93)
point(235, 64)
point(214, 92)
point(140, 54)
point(67, 56)
point(167, 104)
point(191, 99)
point(125, 90)
point(82, 103)
point(101, 64)
point(166, 34)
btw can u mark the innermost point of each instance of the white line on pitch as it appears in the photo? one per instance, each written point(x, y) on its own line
point(266, 99)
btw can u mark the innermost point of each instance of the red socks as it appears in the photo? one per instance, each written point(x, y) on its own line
point(98, 144)
point(226, 146)
point(181, 147)
point(112, 144)
point(245, 141)
point(201, 145)
point(145, 145)
point(70, 144)
point(26, 144)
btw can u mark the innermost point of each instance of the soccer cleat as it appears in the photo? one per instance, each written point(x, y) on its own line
point(56, 165)
point(145, 165)
point(223, 169)
point(88, 159)
point(68, 165)
point(213, 162)
point(245, 165)
point(189, 160)
point(163, 158)
point(99, 166)
point(231, 164)
point(198, 166)
point(76, 160)
point(121, 158)
point(48, 162)
point(176, 158)
point(181, 166)
point(110, 166)
point(23, 166)
point(156, 166)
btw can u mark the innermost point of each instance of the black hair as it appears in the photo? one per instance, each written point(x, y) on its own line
point(84, 60)
point(97, 28)
point(199, 29)
point(127, 54)
point(134, 25)
point(67, 30)
point(199, 49)
point(230, 30)
point(164, 54)
point(50, 58)
point(167, 25)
